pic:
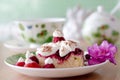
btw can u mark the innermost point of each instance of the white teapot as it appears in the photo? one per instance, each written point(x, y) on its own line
point(100, 26)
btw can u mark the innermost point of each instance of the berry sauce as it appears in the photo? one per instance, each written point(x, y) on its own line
point(61, 59)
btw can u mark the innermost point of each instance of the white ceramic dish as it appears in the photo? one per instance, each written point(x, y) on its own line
point(18, 46)
point(51, 73)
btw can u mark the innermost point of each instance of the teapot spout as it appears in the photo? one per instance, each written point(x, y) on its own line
point(116, 8)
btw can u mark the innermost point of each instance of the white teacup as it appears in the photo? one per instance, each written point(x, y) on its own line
point(37, 31)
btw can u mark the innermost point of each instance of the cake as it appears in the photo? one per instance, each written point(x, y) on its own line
point(61, 53)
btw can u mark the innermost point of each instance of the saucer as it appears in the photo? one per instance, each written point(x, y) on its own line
point(17, 46)
point(56, 72)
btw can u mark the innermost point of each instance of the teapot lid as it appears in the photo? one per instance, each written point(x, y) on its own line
point(100, 9)
point(100, 17)
point(100, 13)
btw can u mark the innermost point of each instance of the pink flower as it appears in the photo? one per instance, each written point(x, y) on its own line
point(99, 54)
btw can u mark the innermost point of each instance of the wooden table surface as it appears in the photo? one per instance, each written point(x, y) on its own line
point(108, 72)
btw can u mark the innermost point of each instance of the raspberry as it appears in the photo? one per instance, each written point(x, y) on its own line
point(20, 64)
point(33, 58)
point(48, 66)
point(56, 39)
point(32, 65)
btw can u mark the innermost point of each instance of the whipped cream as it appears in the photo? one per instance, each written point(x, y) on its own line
point(28, 54)
point(20, 59)
point(57, 33)
point(47, 49)
point(63, 51)
point(28, 61)
point(48, 61)
point(66, 47)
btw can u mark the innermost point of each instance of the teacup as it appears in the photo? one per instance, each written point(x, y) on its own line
point(37, 31)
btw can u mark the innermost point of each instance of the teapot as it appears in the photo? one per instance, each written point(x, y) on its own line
point(100, 26)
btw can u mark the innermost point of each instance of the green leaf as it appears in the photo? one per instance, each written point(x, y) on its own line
point(36, 25)
point(49, 39)
point(32, 40)
point(21, 27)
point(115, 33)
point(97, 34)
point(110, 40)
point(23, 36)
point(38, 35)
point(46, 40)
point(104, 27)
point(45, 32)
point(42, 33)
point(42, 25)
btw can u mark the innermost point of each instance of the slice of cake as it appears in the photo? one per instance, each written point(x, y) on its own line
point(60, 53)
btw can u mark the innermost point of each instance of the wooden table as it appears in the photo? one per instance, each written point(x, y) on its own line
point(108, 72)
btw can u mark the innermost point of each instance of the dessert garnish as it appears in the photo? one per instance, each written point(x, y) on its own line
point(49, 63)
point(20, 62)
point(66, 47)
point(47, 49)
point(31, 64)
point(100, 53)
point(31, 56)
point(57, 36)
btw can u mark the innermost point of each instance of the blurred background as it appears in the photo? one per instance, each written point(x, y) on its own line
point(11, 10)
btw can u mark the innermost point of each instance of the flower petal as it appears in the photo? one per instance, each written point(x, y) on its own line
point(112, 48)
point(102, 53)
point(104, 46)
point(112, 60)
point(93, 61)
point(94, 50)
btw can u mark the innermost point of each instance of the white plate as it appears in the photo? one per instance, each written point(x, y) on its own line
point(51, 73)
point(18, 46)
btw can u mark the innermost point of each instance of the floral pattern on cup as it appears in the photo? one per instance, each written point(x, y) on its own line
point(21, 27)
point(101, 35)
point(42, 37)
point(29, 27)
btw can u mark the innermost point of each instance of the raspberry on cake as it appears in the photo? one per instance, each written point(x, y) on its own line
point(31, 64)
point(20, 62)
point(57, 36)
point(31, 56)
point(49, 63)
point(30, 61)
point(64, 53)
